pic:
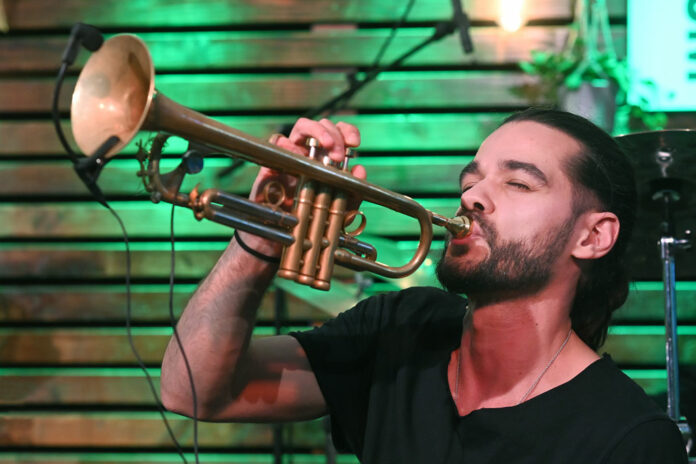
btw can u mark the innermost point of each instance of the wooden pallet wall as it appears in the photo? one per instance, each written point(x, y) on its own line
point(70, 390)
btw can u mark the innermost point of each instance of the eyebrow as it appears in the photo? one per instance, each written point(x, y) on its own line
point(507, 165)
point(529, 168)
point(471, 168)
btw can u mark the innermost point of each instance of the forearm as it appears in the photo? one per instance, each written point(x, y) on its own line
point(215, 329)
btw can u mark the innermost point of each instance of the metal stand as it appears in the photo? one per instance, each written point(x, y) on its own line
point(668, 246)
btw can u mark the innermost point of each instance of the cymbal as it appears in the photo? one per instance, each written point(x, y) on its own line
point(665, 168)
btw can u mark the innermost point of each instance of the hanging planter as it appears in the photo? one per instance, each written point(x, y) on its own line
point(594, 100)
point(585, 77)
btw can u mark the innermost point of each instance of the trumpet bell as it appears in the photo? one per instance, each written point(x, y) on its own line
point(113, 94)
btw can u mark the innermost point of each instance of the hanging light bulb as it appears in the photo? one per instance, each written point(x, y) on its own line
point(511, 15)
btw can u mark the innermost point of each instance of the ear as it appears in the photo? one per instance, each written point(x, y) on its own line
point(598, 233)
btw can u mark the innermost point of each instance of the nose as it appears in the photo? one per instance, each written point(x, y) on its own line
point(477, 198)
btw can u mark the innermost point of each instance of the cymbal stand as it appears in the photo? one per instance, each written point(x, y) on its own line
point(668, 246)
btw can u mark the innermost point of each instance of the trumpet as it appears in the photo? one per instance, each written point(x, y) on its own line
point(115, 98)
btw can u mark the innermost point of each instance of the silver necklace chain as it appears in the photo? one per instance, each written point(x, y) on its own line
point(534, 384)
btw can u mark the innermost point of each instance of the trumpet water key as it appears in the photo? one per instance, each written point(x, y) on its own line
point(115, 98)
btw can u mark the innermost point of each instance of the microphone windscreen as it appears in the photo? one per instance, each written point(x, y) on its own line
point(91, 37)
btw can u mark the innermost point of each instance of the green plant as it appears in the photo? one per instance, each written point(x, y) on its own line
point(588, 56)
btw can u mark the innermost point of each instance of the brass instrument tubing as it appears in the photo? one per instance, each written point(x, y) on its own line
point(265, 214)
point(222, 216)
point(357, 246)
point(290, 261)
point(320, 211)
point(337, 210)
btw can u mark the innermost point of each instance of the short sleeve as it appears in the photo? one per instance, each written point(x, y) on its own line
point(650, 442)
point(375, 337)
point(340, 353)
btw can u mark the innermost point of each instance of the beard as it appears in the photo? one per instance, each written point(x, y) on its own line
point(512, 268)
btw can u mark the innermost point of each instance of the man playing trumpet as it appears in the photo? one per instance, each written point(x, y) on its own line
point(509, 374)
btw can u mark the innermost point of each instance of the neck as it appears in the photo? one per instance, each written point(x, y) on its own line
point(509, 345)
point(510, 338)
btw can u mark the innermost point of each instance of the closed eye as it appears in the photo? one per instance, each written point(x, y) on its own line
point(519, 185)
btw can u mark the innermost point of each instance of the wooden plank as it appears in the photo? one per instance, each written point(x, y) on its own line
point(646, 344)
point(128, 386)
point(89, 346)
point(412, 132)
point(414, 174)
point(31, 14)
point(77, 386)
point(646, 302)
point(107, 303)
point(272, 92)
point(36, 456)
point(222, 50)
point(88, 219)
point(94, 261)
point(72, 303)
point(642, 345)
point(141, 429)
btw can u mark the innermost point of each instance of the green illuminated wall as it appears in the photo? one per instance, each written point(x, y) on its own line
point(70, 390)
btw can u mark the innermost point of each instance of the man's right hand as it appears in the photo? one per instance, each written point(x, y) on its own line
point(238, 377)
point(334, 138)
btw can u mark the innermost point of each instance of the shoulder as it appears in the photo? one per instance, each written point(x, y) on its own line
point(619, 392)
point(412, 306)
point(405, 311)
point(636, 429)
point(650, 440)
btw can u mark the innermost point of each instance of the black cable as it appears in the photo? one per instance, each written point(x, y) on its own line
point(392, 34)
point(56, 117)
point(172, 321)
point(442, 29)
point(129, 332)
point(88, 171)
point(375, 64)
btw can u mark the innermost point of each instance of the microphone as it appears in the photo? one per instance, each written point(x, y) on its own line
point(88, 36)
point(89, 168)
point(461, 21)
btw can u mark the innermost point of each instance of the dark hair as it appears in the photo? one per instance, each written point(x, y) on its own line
point(603, 178)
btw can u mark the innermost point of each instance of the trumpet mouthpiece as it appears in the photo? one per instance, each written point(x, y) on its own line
point(459, 226)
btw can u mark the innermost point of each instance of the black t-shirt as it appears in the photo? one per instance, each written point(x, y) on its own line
point(382, 368)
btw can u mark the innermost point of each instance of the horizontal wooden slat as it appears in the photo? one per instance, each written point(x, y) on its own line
point(107, 260)
point(107, 303)
point(643, 345)
point(412, 174)
point(31, 14)
point(92, 262)
point(86, 386)
point(646, 344)
point(141, 429)
point(255, 92)
point(51, 303)
point(83, 219)
point(128, 386)
point(56, 457)
point(96, 345)
point(404, 132)
point(219, 50)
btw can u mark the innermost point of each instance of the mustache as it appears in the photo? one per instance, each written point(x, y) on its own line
point(486, 227)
